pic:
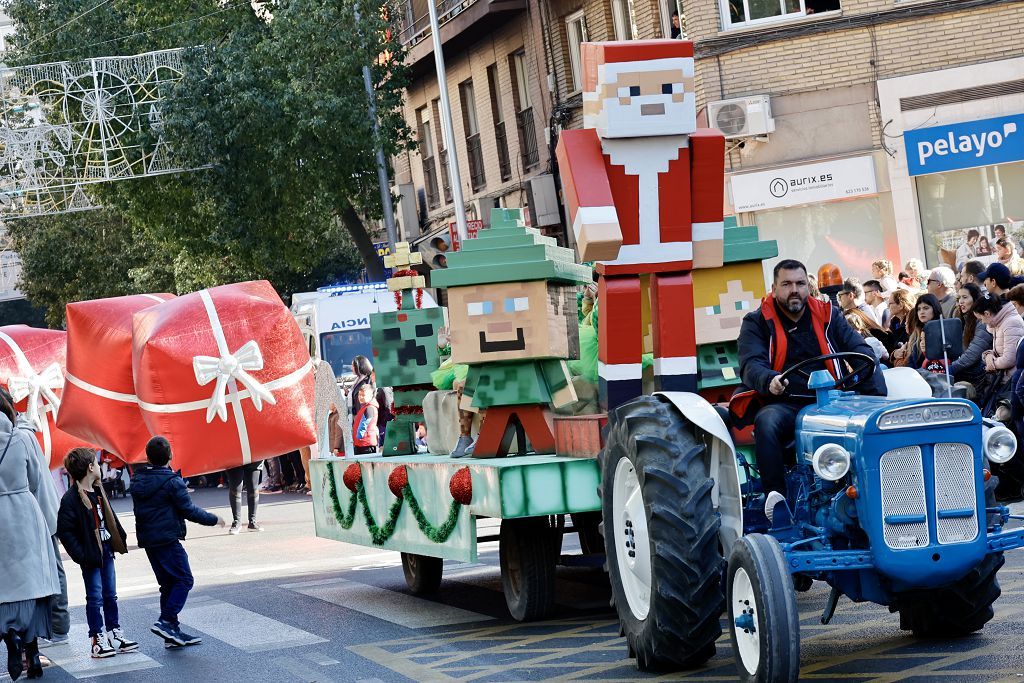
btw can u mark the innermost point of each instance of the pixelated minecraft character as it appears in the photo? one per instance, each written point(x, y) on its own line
point(405, 350)
point(644, 188)
point(513, 319)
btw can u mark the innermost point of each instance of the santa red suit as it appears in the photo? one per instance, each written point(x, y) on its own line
point(644, 189)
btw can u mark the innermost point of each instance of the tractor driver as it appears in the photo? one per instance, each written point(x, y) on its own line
point(789, 327)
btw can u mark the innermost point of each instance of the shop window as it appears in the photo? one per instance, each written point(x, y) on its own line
point(848, 234)
point(981, 198)
point(743, 13)
point(576, 35)
point(624, 20)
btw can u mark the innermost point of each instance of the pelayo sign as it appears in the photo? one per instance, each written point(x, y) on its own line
point(809, 184)
point(965, 145)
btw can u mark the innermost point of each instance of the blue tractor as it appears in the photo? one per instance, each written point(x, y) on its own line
point(890, 501)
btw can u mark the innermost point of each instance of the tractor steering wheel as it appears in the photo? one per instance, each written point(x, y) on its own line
point(862, 367)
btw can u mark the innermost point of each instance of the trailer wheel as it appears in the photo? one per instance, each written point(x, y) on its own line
point(527, 554)
point(422, 573)
point(957, 610)
point(661, 536)
point(763, 618)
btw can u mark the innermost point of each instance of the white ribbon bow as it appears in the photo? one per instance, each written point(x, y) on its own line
point(38, 388)
point(226, 368)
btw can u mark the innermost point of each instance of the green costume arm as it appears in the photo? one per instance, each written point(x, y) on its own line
point(555, 373)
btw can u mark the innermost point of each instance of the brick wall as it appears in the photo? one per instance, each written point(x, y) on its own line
point(494, 48)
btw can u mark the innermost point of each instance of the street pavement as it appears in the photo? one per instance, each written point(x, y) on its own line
point(283, 605)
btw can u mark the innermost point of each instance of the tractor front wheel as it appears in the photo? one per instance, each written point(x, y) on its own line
point(763, 618)
point(954, 611)
point(661, 536)
point(422, 573)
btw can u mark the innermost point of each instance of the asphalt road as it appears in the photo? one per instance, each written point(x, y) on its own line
point(283, 605)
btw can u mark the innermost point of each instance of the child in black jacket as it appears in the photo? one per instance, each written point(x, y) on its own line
point(89, 530)
point(162, 505)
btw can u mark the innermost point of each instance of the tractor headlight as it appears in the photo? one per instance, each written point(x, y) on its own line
point(831, 461)
point(1000, 444)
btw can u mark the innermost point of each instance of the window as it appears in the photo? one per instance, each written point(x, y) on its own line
point(576, 34)
point(442, 154)
point(672, 19)
point(425, 136)
point(624, 20)
point(498, 116)
point(740, 13)
point(474, 150)
point(528, 151)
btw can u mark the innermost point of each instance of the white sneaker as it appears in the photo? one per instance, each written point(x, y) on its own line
point(773, 499)
point(119, 641)
point(100, 648)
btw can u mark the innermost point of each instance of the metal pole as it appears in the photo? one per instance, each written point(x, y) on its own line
point(382, 168)
point(446, 127)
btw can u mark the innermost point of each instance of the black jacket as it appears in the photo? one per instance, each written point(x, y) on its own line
point(758, 348)
point(76, 529)
point(162, 505)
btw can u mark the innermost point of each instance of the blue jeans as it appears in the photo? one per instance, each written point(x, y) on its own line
point(101, 594)
point(170, 564)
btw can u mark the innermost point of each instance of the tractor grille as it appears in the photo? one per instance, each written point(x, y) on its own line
point(902, 478)
point(954, 490)
point(904, 507)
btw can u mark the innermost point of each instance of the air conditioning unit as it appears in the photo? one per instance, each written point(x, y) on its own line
point(405, 211)
point(482, 208)
point(742, 117)
point(542, 200)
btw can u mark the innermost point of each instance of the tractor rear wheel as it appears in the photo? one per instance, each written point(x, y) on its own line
point(954, 611)
point(661, 536)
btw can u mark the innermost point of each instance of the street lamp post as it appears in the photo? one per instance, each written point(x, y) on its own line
point(447, 130)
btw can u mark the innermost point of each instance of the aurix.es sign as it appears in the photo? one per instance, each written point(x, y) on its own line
point(965, 145)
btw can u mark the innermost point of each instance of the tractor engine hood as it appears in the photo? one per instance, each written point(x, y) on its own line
point(918, 469)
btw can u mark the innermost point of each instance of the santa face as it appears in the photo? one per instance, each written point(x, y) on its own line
point(643, 99)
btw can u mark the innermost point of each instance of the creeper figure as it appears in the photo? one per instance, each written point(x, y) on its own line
point(644, 190)
point(512, 308)
point(405, 349)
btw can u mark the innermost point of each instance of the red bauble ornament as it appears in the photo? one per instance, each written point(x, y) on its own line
point(461, 486)
point(398, 480)
point(353, 475)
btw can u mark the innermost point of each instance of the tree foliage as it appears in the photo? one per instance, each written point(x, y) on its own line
point(276, 114)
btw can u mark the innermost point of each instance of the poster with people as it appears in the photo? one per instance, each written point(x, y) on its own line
point(980, 243)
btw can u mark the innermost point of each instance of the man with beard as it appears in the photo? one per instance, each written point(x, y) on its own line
point(789, 327)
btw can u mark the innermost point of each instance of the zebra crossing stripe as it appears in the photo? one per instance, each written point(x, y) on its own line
point(74, 657)
point(382, 603)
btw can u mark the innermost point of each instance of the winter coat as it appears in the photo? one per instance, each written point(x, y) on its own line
point(28, 518)
point(1007, 330)
point(162, 505)
point(364, 426)
point(969, 366)
point(78, 527)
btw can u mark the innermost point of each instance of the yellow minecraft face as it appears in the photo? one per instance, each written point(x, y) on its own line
point(722, 296)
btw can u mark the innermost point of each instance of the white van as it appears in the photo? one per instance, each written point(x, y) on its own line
point(335, 321)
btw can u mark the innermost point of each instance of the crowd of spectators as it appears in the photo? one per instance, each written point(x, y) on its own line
point(891, 310)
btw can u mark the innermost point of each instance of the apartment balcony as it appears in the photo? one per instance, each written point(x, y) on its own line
point(501, 139)
point(430, 182)
point(455, 17)
point(527, 138)
point(475, 152)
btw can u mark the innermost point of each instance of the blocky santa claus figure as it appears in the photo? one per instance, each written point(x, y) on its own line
point(644, 190)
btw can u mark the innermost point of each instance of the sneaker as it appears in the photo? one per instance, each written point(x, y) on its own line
point(463, 447)
point(235, 528)
point(255, 526)
point(169, 632)
point(271, 490)
point(101, 647)
point(189, 640)
point(57, 639)
point(118, 640)
point(168, 645)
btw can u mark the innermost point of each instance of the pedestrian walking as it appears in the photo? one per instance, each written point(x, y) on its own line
point(162, 505)
point(28, 561)
point(248, 476)
point(91, 533)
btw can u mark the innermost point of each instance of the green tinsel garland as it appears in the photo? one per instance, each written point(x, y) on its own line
point(379, 535)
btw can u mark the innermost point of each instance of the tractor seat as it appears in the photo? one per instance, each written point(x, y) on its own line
point(740, 436)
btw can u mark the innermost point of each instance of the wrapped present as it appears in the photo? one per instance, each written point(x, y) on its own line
point(99, 402)
point(225, 376)
point(32, 368)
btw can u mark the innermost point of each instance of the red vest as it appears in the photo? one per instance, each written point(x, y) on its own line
point(372, 433)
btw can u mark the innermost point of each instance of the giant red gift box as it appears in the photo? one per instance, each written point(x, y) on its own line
point(99, 402)
point(32, 369)
point(225, 376)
